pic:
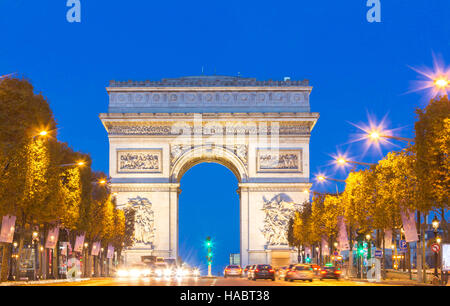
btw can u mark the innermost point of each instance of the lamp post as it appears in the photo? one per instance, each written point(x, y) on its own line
point(435, 224)
point(322, 178)
point(343, 161)
point(376, 135)
point(35, 242)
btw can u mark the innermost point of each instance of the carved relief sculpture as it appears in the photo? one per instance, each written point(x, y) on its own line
point(277, 215)
point(139, 161)
point(144, 226)
point(279, 160)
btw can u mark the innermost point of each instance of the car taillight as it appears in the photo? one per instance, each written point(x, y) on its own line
point(271, 271)
point(338, 272)
point(323, 272)
point(256, 270)
point(227, 270)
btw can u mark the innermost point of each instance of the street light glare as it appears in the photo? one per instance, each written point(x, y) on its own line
point(341, 161)
point(43, 133)
point(442, 83)
point(80, 163)
point(374, 135)
point(321, 178)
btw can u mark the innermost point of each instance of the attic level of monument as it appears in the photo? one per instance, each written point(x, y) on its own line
point(209, 95)
point(209, 81)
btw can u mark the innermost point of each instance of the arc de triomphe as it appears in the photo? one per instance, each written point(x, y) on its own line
point(260, 130)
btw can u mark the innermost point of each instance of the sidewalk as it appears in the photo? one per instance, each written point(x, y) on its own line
point(47, 281)
point(394, 282)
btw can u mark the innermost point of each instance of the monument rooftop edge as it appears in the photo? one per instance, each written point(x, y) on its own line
point(208, 81)
point(209, 94)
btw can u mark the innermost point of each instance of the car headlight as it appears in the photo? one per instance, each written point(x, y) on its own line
point(196, 272)
point(167, 272)
point(122, 273)
point(159, 272)
point(181, 272)
point(135, 273)
point(147, 271)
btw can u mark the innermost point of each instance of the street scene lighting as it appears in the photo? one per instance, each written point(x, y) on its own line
point(435, 223)
point(442, 83)
point(322, 178)
point(343, 161)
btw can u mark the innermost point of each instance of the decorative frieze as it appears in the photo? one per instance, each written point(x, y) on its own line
point(208, 99)
point(230, 129)
point(139, 161)
point(177, 150)
point(279, 160)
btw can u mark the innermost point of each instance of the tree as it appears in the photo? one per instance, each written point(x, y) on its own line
point(432, 147)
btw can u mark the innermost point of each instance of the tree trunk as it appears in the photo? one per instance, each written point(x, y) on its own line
point(6, 254)
point(419, 255)
point(408, 255)
point(383, 263)
point(424, 266)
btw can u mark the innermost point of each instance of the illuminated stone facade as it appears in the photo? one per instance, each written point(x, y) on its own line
point(260, 130)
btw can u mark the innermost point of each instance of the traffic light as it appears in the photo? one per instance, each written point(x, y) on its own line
point(360, 249)
point(308, 260)
point(209, 246)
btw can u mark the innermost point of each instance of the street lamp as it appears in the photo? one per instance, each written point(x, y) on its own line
point(322, 178)
point(442, 83)
point(376, 135)
point(343, 161)
point(435, 224)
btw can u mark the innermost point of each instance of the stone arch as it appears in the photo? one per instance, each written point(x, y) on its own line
point(214, 154)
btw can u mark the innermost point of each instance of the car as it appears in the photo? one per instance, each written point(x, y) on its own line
point(300, 272)
point(138, 270)
point(261, 271)
point(330, 272)
point(245, 272)
point(162, 269)
point(232, 270)
point(315, 268)
point(281, 273)
point(249, 272)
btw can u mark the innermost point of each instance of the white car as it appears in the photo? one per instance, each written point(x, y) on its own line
point(134, 271)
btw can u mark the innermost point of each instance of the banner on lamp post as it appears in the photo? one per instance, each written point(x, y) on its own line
point(387, 238)
point(79, 241)
point(95, 248)
point(52, 238)
point(342, 235)
point(8, 227)
point(325, 248)
point(409, 226)
point(308, 252)
point(110, 253)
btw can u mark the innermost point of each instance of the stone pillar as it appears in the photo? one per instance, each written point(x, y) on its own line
point(244, 224)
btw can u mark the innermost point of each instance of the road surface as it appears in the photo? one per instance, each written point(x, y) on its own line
point(219, 281)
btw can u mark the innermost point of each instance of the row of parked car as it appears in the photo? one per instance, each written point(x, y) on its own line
point(304, 272)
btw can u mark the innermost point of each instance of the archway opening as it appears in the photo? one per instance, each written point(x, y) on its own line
point(208, 206)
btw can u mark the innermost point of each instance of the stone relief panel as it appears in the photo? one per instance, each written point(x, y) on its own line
point(279, 160)
point(278, 212)
point(139, 161)
point(144, 221)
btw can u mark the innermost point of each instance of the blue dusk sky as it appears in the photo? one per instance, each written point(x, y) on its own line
point(358, 70)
